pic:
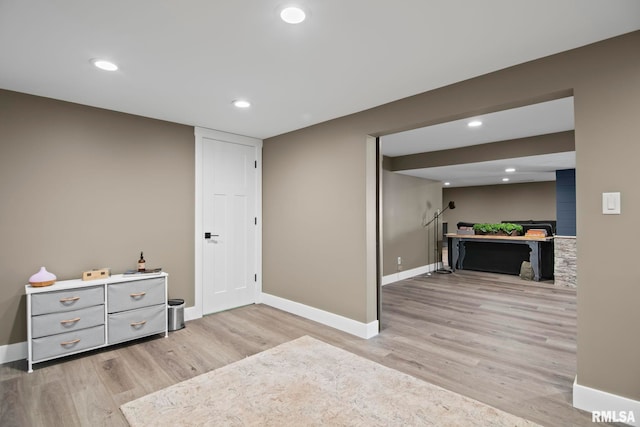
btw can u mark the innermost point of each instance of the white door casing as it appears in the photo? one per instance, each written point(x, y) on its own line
point(228, 206)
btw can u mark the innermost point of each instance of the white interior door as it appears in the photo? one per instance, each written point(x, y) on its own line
point(229, 266)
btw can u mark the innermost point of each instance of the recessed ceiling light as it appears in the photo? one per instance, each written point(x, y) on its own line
point(474, 123)
point(505, 179)
point(292, 15)
point(241, 103)
point(104, 65)
point(447, 183)
point(509, 170)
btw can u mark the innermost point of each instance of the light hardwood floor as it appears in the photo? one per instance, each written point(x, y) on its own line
point(495, 338)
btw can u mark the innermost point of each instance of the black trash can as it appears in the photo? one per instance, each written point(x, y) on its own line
point(175, 315)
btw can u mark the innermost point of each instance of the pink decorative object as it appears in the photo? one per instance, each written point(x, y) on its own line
point(42, 278)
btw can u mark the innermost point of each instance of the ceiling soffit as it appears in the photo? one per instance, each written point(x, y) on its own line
point(559, 142)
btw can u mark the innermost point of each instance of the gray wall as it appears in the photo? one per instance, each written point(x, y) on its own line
point(315, 184)
point(86, 188)
point(406, 203)
point(314, 221)
point(497, 203)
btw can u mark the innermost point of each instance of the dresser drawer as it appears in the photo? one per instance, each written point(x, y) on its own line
point(136, 294)
point(67, 343)
point(132, 324)
point(73, 299)
point(66, 321)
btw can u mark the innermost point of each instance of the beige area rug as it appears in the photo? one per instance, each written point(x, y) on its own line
point(307, 382)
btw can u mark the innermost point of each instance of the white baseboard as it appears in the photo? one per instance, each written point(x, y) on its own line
point(353, 327)
point(12, 352)
point(402, 275)
point(591, 399)
point(192, 313)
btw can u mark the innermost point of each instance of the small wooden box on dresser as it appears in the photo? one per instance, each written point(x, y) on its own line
point(73, 316)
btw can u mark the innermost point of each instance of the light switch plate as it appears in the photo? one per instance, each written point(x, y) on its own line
point(611, 203)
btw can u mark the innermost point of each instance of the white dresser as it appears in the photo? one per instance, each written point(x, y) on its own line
point(73, 316)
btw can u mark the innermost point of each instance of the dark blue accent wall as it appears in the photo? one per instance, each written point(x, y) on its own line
point(566, 202)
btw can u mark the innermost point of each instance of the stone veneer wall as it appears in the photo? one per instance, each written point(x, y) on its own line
point(565, 248)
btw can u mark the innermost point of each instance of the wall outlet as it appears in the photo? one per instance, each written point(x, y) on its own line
point(399, 260)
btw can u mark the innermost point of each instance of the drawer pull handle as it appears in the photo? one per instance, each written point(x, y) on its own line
point(66, 343)
point(140, 323)
point(77, 319)
point(136, 295)
point(69, 299)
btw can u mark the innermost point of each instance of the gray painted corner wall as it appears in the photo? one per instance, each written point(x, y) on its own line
point(606, 118)
point(315, 211)
point(86, 188)
point(314, 222)
point(407, 203)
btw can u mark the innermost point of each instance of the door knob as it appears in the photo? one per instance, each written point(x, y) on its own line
point(208, 235)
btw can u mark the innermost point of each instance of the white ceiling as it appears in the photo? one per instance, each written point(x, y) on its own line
point(536, 119)
point(531, 120)
point(185, 61)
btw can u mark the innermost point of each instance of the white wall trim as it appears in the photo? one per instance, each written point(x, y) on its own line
point(195, 312)
point(402, 275)
point(12, 352)
point(591, 399)
point(372, 278)
point(192, 313)
point(353, 327)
